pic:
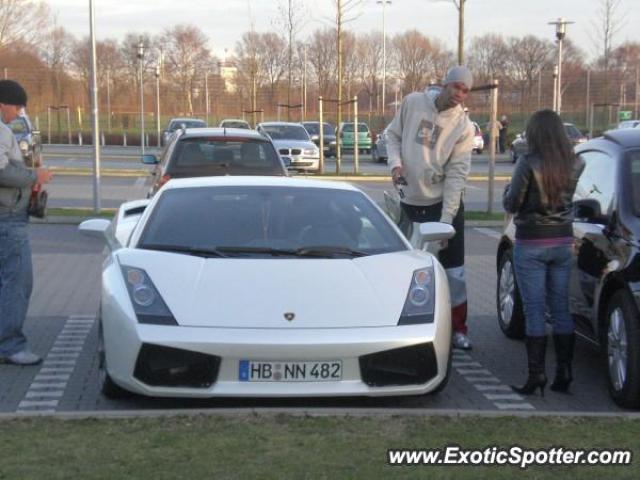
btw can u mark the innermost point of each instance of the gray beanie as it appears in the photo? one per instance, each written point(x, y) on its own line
point(12, 93)
point(461, 74)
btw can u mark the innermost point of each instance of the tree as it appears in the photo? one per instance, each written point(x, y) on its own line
point(22, 21)
point(607, 25)
point(293, 15)
point(273, 59)
point(460, 6)
point(250, 68)
point(488, 57)
point(345, 12)
point(186, 58)
point(323, 60)
point(528, 56)
point(419, 59)
point(57, 46)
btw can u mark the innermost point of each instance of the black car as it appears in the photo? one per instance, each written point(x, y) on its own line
point(208, 152)
point(28, 140)
point(519, 145)
point(180, 123)
point(605, 281)
point(328, 133)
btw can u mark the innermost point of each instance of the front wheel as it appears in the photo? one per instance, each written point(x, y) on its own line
point(508, 301)
point(623, 350)
point(107, 386)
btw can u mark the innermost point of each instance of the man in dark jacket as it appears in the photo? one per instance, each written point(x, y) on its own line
point(16, 275)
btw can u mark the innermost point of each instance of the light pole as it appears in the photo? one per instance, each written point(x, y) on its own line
point(158, 102)
point(141, 58)
point(384, 52)
point(561, 31)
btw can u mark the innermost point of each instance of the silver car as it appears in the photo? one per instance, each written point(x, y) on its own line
point(293, 144)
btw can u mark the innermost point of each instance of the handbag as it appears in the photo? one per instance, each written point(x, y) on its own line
point(38, 202)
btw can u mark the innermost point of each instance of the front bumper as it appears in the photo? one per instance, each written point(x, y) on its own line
point(356, 348)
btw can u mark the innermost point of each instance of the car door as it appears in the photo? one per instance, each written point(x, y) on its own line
point(594, 202)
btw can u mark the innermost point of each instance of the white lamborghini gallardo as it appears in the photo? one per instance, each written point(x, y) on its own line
point(269, 287)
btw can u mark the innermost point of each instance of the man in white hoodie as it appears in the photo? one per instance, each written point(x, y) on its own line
point(429, 143)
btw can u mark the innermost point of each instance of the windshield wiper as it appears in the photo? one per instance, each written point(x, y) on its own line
point(258, 250)
point(196, 251)
point(328, 251)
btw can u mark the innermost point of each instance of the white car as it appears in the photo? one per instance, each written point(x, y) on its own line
point(478, 139)
point(293, 144)
point(269, 287)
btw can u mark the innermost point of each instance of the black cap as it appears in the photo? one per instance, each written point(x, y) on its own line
point(12, 93)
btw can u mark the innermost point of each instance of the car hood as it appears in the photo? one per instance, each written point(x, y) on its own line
point(293, 144)
point(257, 293)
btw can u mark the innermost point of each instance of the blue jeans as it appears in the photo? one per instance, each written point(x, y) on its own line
point(16, 281)
point(543, 275)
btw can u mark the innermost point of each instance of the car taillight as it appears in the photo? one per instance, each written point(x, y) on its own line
point(163, 180)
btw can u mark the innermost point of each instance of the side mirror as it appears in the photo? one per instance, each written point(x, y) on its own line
point(100, 228)
point(587, 210)
point(149, 159)
point(423, 235)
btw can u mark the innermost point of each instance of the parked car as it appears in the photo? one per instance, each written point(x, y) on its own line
point(478, 139)
point(629, 124)
point(234, 123)
point(181, 314)
point(605, 282)
point(204, 152)
point(293, 144)
point(180, 123)
point(519, 145)
point(328, 136)
point(379, 148)
point(347, 138)
point(28, 139)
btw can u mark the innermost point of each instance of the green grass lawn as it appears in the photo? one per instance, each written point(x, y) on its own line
point(280, 446)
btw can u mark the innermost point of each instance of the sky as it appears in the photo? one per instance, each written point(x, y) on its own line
point(224, 21)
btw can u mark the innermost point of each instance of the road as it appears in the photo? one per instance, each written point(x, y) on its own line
point(73, 184)
point(61, 326)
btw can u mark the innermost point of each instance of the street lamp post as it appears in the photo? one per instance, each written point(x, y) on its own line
point(158, 102)
point(94, 111)
point(561, 31)
point(384, 52)
point(141, 48)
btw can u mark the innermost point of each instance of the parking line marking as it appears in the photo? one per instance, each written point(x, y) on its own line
point(501, 396)
point(483, 379)
point(467, 371)
point(514, 406)
point(482, 388)
point(58, 366)
point(488, 232)
point(466, 364)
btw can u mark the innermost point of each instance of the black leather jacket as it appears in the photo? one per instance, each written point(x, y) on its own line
point(525, 197)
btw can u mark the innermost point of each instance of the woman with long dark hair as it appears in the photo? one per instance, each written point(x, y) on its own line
point(540, 197)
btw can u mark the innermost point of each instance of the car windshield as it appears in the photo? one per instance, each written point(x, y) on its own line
point(634, 157)
point(313, 128)
point(269, 222)
point(572, 131)
point(362, 127)
point(286, 132)
point(187, 124)
point(19, 125)
point(235, 124)
point(203, 156)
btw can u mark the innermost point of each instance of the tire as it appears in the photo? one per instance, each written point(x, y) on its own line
point(107, 386)
point(508, 301)
point(622, 341)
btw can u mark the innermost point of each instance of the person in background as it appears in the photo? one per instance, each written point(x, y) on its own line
point(502, 133)
point(429, 144)
point(16, 275)
point(540, 197)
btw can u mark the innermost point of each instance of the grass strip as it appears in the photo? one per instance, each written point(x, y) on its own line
point(282, 446)
point(80, 212)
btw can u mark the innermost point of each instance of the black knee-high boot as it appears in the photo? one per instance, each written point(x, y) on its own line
point(536, 349)
point(564, 345)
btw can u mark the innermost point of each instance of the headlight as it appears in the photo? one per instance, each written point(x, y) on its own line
point(146, 301)
point(419, 305)
point(24, 146)
point(310, 151)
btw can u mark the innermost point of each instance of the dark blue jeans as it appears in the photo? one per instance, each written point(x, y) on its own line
point(16, 280)
point(543, 275)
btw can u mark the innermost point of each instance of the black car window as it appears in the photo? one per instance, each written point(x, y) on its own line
point(202, 156)
point(312, 128)
point(598, 179)
point(634, 162)
point(265, 217)
point(286, 132)
point(362, 127)
point(572, 131)
point(187, 124)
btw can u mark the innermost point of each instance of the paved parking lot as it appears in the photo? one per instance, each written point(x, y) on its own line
point(61, 327)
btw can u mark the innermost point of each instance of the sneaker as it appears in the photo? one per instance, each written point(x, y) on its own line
point(24, 357)
point(461, 341)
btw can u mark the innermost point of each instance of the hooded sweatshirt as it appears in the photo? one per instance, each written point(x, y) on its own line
point(15, 178)
point(434, 149)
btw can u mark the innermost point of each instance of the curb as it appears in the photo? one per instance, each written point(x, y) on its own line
point(319, 412)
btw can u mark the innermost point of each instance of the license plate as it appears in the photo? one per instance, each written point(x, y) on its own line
point(258, 371)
